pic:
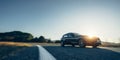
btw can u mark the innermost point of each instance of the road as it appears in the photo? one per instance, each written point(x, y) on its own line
point(66, 53)
point(112, 48)
point(75, 53)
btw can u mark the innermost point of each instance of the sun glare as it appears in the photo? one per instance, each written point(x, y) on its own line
point(91, 35)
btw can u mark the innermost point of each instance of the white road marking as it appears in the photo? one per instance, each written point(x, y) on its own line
point(44, 54)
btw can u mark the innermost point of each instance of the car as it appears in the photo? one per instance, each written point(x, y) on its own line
point(81, 40)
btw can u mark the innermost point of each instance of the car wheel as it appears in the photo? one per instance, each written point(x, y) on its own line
point(73, 45)
point(81, 44)
point(62, 44)
point(95, 46)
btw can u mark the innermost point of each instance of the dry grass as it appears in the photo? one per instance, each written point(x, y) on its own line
point(11, 48)
point(46, 44)
point(14, 44)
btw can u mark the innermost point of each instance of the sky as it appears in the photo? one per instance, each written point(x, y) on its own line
point(53, 18)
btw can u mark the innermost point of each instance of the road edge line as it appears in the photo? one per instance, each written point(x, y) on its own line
point(44, 54)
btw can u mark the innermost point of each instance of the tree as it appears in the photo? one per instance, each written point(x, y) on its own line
point(42, 39)
point(48, 40)
point(35, 39)
point(57, 41)
point(16, 36)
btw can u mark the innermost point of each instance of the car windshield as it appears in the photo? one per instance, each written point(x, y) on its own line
point(69, 35)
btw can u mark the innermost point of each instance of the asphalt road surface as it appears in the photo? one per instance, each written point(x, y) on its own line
point(66, 53)
point(75, 53)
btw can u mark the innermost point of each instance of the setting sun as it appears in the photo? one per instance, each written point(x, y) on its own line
point(91, 36)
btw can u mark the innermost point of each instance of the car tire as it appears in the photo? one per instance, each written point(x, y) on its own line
point(81, 44)
point(73, 45)
point(62, 44)
point(95, 46)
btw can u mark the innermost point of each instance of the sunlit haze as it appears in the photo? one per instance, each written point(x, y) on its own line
point(53, 18)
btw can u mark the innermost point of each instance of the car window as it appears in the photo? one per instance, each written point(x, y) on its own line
point(71, 35)
point(65, 36)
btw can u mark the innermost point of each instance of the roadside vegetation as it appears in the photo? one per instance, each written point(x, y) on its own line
point(18, 36)
point(11, 48)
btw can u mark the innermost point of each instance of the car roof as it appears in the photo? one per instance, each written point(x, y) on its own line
point(71, 33)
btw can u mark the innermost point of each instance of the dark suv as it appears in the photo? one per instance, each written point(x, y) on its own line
point(81, 40)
